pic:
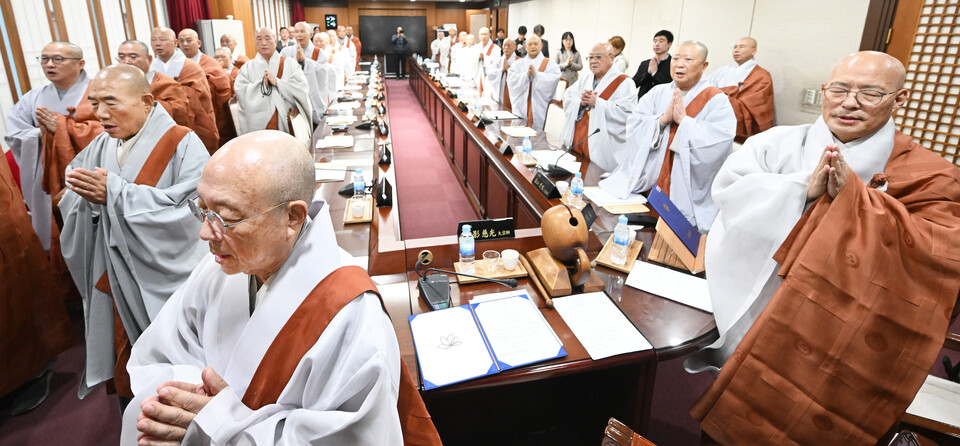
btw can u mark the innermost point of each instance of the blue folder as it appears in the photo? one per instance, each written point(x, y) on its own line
point(668, 211)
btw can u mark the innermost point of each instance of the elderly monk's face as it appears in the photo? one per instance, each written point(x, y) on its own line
point(69, 68)
point(132, 54)
point(484, 36)
point(744, 50)
point(350, 31)
point(341, 32)
point(872, 74)
point(533, 46)
point(660, 45)
point(302, 35)
point(225, 41)
point(318, 40)
point(470, 40)
point(687, 66)
point(600, 60)
point(509, 47)
point(189, 43)
point(121, 111)
point(266, 43)
point(223, 58)
point(164, 44)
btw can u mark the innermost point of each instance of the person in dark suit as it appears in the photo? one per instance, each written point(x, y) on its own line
point(656, 70)
point(400, 49)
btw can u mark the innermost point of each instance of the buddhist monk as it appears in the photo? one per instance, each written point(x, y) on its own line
point(166, 91)
point(222, 55)
point(171, 61)
point(532, 81)
point(218, 81)
point(749, 88)
point(236, 52)
point(832, 269)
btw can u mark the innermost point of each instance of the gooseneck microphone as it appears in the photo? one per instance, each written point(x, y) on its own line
point(435, 288)
point(554, 170)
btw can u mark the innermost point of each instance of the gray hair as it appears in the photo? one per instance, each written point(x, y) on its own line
point(701, 48)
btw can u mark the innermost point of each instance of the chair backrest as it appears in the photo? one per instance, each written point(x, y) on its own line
point(561, 87)
point(553, 126)
point(618, 434)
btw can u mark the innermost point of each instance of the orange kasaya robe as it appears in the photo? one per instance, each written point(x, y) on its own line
point(167, 92)
point(221, 90)
point(301, 332)
point(34, 326)
point(234, 71)
point(356, 42)
point(870, 283)
point(194, 81)
point(752, 101)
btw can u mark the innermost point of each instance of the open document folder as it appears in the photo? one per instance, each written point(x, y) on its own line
point(482, 338)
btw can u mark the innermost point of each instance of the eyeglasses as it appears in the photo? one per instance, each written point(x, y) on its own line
point(216, 221)
point(865, 97)
point(57, 60)
point(594, 57)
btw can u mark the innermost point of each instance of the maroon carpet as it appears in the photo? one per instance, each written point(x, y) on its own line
point(431, 199)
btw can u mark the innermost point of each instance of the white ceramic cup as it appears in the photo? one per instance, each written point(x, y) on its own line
point(562, 187)
point(509, 259)
point(356, 207)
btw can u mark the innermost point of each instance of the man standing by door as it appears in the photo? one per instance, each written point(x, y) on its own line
point(400, 49)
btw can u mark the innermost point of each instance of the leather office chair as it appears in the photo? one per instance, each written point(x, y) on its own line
point(553, 124)
point(935, 412)
point(561, 87)
point(618, 434)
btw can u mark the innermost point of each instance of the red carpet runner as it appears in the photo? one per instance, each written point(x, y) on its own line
point(431, 200)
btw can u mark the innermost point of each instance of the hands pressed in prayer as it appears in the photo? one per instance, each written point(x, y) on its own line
point(569, 60)
point(506, 63)
point(652, 66)
point(830, 175)
point(89, 184)
point(299, 53)
point(676, 111)
point(530, 71)
point(47, 119)
point(269, 78)
point(588, 98)
point(164, 419)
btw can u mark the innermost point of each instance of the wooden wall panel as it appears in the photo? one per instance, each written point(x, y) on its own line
point(241, 10)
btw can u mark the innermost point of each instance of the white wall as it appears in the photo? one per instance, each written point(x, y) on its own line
point(798, 40)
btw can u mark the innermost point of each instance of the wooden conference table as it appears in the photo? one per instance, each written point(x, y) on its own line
point(562, 401)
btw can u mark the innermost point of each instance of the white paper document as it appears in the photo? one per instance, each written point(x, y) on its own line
point(518, 131)
point(674, 285)
point(335, 142)
point(547, 157)
point(329, 172)
point(599, 325)
point(341, 120)
point(450, 347)
point(497, 115)
point(517, 331)
point(601, 197)
point(344, 105)
point(352, 87)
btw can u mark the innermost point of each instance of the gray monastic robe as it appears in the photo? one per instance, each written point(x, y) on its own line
point(255, 108)
point(145, 238)
point(316, 77)
point(23, 137)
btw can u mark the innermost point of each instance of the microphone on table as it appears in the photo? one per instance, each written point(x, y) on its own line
point(554, 170)
point(435, 288)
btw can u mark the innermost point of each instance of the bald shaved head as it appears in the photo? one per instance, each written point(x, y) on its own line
point(121, 100)
point(699, 48)
point(601, 59)
point(302, 34)
point(66, 73)
point(322, 40)
point(871, 85)
point(266, 172)
point(224, 56)
point(136, 53)
point(533, 45)
point(164, 42)
point(509, 46)
point(228, 41)
point(744, 50)
point(189, 42)
point(688, 63)
point(266, 42)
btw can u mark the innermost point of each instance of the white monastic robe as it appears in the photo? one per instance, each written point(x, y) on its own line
point(316, 77)
point(343, 391)
point(761, 192)
point(145, 238)
point(337, 58)
point(492, 63)
point(468, 64)
point(608, 148)
point(256, 109)
point(537, 91)
point(455, 48)
point(435, 49)
point(700, 146)
point(23, 137)
point(498, 79)
point(445, 54)
point(349, 63)
point(730, 75)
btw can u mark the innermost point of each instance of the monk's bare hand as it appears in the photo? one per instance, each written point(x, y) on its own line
point(652, 66)
point(89, 184)
point(159, 423)
point(269, 78)
point(47, 119)
point(530, 71)
point(839, 172)
point(506, 63)
point(299, 53)
point(589, 98)
point(818, 181)
point(678, 109)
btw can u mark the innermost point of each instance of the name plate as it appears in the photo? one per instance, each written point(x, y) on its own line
point(545, 186)
point(503, 147)
point(589, 214)
point(500, 228)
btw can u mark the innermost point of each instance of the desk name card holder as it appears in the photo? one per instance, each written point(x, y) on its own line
point(383, 156)
point(384, 193)
point(492, 229)
point(677, 243)
point(546, 186)
point(503, 147)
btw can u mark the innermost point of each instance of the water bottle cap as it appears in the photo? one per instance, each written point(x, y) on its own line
point(623, 219)
point(467, 228)
point(526, 138)
point(358, 171)
point(577, 174)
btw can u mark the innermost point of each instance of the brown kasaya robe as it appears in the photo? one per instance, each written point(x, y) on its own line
point(221, 90)
point(167, 92)
point(871, 280)
point(194, 81)
point(34, 326)
point(752, 101)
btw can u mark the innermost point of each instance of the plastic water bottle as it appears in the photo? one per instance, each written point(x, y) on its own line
point(527, 156)
point(621, 240)
point(575, 198)
point(358, 184)
point(466, 250)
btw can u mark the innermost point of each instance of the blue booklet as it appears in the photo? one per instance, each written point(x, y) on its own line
point(668, 211)
point(483, 338)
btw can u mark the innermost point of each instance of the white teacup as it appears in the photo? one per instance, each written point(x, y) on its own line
point(562, 187)
point(356, 207)
point(509, 259)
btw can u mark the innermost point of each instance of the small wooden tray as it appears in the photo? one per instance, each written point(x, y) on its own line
point(367, 211)
point(517, 272)
point(633, 251)
point(532, 163)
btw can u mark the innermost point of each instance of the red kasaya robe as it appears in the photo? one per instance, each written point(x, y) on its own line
point(752, 101)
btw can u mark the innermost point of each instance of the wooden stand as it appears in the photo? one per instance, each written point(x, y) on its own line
point(556, 279)
point(668, 249)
